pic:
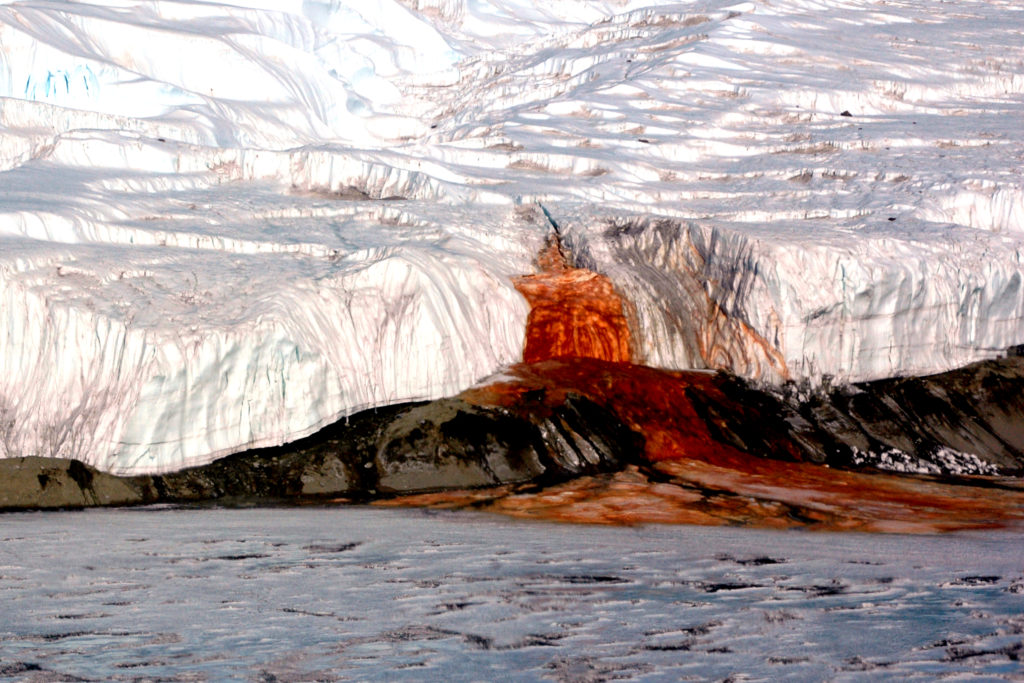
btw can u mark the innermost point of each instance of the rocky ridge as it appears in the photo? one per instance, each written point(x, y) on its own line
point(410, 448)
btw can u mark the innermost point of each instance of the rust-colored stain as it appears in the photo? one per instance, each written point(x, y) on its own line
point(653, 402)
point(577, 341)
point(725, 342)
point(574, 312)
point(687, 475)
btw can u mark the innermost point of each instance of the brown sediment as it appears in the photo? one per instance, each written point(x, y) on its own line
point(574, 312)
point(656, 403)
point(687, 474)
point(725, 342)
point(703, 459)
point(794, 495)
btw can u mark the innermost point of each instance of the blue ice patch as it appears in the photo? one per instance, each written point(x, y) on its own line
point(61, 84)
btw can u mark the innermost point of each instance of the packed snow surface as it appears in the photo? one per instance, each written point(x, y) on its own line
point(226, 225)
point(382, 595)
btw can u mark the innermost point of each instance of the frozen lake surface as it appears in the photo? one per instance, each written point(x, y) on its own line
point(357, 593)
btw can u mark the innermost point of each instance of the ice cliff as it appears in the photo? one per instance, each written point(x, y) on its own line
point(226, 225)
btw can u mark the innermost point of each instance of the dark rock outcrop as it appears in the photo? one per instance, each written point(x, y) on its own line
point(410, 448)
point(454, 444)
point(966, 421)
point(571, 417)
point(962, 422)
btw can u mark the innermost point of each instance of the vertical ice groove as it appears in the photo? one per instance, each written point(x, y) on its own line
point(151, 400)
point(715, 298)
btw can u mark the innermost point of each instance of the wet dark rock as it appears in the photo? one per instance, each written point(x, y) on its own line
point(968, 421)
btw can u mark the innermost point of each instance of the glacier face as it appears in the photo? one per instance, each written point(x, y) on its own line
point(225, 225)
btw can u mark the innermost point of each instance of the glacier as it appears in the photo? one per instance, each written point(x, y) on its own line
point(226, 225)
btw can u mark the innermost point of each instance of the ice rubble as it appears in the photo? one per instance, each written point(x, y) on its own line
point(197, 255)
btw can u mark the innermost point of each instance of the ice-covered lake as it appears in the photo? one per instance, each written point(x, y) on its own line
point(356, 593)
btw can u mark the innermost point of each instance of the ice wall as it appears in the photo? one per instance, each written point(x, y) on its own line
point(138, 359)
point(784, 190)
point(849, 309)
point(225, 225)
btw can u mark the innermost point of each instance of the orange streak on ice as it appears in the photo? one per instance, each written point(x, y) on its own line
point(573, 312)
point(577, 341)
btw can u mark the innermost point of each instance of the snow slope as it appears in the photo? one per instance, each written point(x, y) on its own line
point(225, 225)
